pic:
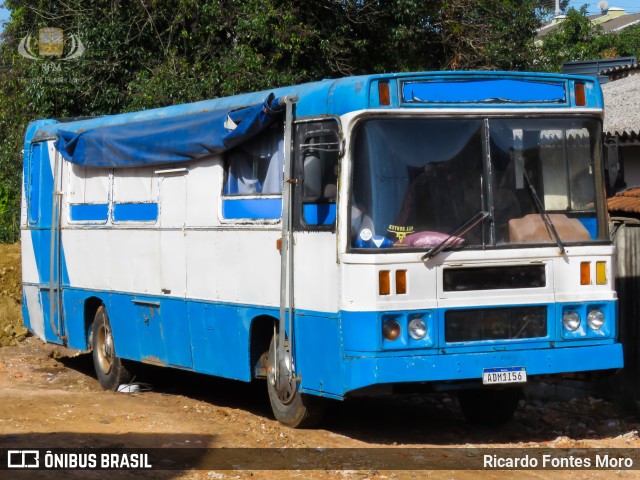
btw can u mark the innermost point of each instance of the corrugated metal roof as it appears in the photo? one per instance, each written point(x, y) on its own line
point(597, 67)
point(625, 138)
point(621, 112)
point(627, 201)
point(621, 71)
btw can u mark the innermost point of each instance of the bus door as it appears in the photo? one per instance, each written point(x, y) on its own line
point(173, 270)
point(309, 269)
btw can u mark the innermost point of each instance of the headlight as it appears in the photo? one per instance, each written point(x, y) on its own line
point(571, 321)
point(417, 329)
point(595, 319)
point(391, 330)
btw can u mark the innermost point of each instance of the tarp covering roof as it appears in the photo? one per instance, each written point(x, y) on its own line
point(167, 140)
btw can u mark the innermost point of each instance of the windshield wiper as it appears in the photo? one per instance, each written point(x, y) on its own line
point(543, 213)
point(461, 230)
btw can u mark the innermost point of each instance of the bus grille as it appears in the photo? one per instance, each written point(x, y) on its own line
point(495, 324)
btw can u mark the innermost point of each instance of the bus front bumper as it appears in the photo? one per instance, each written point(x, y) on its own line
point(367, 370)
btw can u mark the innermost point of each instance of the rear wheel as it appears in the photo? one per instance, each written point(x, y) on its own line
point(109, 368)
point(489, 407)
point(290, 407)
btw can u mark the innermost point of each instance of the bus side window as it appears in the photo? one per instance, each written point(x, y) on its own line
point(255, 167)
point(135, 195)
point(319, 152)
point(253, 177)
point(88, 194)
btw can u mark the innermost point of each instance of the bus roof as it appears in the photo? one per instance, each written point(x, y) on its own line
point(333, 97)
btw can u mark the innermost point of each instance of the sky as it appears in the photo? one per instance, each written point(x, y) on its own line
point(630, 6)
point(4, 16)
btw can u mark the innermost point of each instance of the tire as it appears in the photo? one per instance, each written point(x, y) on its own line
point(293, 409)
point(488, 407)
point(109, 368)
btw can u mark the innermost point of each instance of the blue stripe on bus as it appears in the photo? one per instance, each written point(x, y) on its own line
point(135, 212)
point(39, 192)
point(485, 91)
point(364, 371)
point(89, 212)
point(252, 208)
point(41, 241)
point(214, 338)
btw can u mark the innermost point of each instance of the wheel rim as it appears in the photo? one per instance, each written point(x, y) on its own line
point(287, 394)
point(104, 347)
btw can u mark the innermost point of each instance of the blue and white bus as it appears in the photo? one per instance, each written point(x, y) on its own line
point(428, 231)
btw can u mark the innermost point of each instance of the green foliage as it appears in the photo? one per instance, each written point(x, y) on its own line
point(14, 115)
point(627, 42)
point(144, 53)
point(576, 38)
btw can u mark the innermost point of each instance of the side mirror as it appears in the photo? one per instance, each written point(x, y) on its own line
point(312, 177)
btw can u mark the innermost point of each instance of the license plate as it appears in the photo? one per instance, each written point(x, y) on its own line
point(494, 376)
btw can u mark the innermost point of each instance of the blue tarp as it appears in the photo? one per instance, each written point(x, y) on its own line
point(167, 140)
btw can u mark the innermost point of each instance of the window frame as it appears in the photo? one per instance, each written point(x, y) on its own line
point(233, 200)
point(73, 181)
point(303, 131)
point(599, 195)
point(155, 200)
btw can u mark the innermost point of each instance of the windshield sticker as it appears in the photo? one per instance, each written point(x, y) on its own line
point(400, 232)
point(365, 234)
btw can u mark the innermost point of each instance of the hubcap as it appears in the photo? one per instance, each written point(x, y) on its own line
point(105, 349)
point(284, 386)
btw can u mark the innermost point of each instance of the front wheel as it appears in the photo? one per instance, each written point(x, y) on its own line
point(290, 407)
point(489, 407)
point(109, 368)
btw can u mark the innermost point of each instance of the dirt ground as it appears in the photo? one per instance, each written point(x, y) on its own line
point(49, 398)
point(11, 330)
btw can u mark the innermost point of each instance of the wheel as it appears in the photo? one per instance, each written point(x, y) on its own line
point(109, 368)
point(291, 407)
point(489, 407)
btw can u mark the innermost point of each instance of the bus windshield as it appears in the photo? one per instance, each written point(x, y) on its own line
point(419, 182)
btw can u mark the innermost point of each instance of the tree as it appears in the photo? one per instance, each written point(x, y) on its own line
point(576, 38)
point(627, 42)
point(144, 53)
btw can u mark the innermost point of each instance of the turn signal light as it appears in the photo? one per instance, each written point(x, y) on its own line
point(581, 98)
point(383, 93)
point(601, 273)
point(585, 273)
point(401, 282)
point(384, 282)
point(391, 330)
